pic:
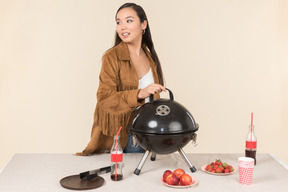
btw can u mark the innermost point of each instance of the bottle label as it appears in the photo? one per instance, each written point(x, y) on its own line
point(116, 157)
point(251, 144)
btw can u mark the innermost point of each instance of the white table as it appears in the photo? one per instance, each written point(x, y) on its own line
point(42, 172)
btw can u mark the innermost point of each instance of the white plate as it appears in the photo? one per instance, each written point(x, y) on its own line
point(194, 182)
point(222, 174)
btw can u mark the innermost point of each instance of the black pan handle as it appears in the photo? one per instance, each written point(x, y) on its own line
point(170, 95)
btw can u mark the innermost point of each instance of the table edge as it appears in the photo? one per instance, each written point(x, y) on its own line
point(2, 169)
point(279, 160)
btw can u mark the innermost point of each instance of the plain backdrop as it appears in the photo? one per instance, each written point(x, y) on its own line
point(223, 59)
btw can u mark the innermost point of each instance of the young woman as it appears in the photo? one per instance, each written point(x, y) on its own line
point(130, 72)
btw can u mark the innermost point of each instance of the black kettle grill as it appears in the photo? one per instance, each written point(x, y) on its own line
point(162, 126)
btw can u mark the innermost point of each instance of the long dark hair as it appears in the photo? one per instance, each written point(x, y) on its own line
point(146, 38)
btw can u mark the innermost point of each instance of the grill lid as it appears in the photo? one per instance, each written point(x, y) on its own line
point(162, 116)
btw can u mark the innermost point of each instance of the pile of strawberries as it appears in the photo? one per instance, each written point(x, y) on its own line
point(219, 167)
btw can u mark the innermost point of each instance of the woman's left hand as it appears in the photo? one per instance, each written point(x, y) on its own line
point(151, 89)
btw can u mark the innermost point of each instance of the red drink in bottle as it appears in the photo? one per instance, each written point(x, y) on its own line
point(116, 159)
point(251, 144)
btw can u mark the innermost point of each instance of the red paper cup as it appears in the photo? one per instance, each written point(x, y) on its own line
point(246, 167)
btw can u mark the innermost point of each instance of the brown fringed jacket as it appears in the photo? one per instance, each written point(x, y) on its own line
point(116, 98)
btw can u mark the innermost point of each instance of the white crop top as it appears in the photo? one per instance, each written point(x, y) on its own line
point(145, 81)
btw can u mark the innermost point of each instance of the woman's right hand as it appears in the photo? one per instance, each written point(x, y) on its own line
point(150, 89)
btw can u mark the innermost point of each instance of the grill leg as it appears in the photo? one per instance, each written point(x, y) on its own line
point(192, 168)
point(153, 157)
point(140, 165)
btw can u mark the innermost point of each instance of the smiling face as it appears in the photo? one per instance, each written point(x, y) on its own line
point(129, 27)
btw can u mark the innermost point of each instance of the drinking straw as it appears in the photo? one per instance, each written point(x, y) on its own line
point(251, 126)
point(119, 131)
point(116, 152)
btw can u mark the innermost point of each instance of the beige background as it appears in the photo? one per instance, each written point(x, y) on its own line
point(223, 59)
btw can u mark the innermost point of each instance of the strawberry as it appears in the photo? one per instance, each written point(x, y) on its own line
point(231, 169)
point(218, 170)
point(225, 165)
point(221, 167)
point(207, 167)
point(218, 162)
point(216, 166)
point(213, 171)
point(226, 170)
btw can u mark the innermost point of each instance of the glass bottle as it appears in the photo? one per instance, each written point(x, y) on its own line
point(251, 144)
point(116, 159)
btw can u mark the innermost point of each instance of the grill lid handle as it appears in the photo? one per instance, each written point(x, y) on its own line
point(170, 95)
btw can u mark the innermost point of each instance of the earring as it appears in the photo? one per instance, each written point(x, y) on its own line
point(143, 32)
